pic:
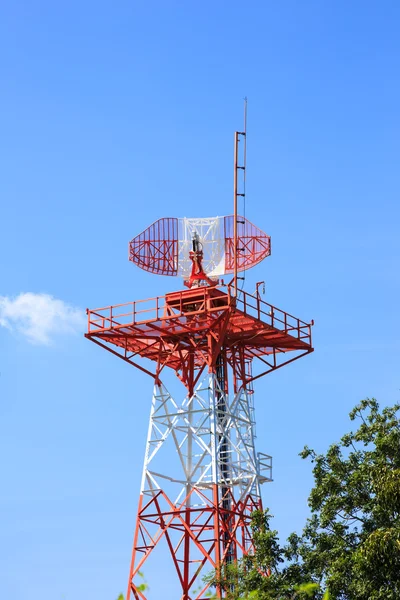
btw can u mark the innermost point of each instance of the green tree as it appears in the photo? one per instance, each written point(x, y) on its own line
point(351, 543)
point(273, 572)
point(352, 540)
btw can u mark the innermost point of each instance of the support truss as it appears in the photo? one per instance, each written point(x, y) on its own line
point(200, 506)
point(201, 509)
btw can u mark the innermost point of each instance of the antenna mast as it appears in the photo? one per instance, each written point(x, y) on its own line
point(236, 193)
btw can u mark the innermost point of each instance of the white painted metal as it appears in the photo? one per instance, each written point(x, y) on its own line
point(184, 442)
point(211, 235)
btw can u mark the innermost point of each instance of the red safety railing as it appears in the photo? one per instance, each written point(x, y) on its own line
point(195, 302)
point(257, 308)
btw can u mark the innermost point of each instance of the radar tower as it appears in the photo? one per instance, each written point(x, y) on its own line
point(201, 475)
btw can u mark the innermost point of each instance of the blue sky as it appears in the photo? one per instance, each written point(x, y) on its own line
point(112, 116)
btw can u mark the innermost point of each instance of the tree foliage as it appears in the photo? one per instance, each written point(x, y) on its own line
point(270, 573)
point(351, 543)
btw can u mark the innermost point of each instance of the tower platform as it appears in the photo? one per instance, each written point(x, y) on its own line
point(192, 325)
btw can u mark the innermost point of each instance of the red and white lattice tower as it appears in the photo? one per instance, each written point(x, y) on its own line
point(209, 335)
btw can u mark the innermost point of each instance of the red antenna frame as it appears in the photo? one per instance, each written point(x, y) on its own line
point(223, 245)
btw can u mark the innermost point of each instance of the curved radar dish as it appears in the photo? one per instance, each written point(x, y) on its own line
point(166, 246)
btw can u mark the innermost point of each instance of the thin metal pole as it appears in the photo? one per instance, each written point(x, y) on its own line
point(189, 469)
point(235, 196)
point(245, 147)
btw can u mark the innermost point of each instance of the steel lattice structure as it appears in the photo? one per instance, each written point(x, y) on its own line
point(209, 335)
point(201, 508)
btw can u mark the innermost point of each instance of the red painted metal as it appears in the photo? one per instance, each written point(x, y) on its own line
point(253, 245)
point(188, 331)
point(197, 276)
point(156, 248)
point(201, 320)
point(200, 532)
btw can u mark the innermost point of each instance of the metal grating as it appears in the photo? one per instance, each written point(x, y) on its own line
point(156, 248)
point(253, 244)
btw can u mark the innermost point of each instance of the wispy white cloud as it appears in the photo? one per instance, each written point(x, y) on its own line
point(40, 317)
